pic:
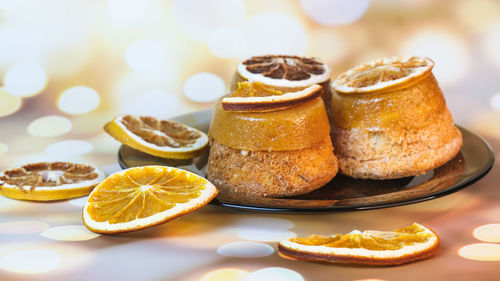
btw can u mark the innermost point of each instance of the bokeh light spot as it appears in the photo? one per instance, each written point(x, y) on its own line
point(245, 249)
point(199, 18)
point(25, 80)
point(488, 232)
point(266, 235)
point(264, 224)
point(127, 11)
point(446, 49)
point(491, 43)
point(480, 252)
point(495, 101)
point(69, 148)
point(204, 87)
point(273, 32)
point(335, 12)
point(78, 100)
point(69, 233)
point(23, 227)
point(49, 126)
point(146, 55)
point(156, 103)
point(227, 42)
point(9, 104)
point(274, 274)
point(225, 274)
point(30, 261)
point(3, 148)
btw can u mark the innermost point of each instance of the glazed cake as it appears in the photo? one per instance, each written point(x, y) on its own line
point(389, 119)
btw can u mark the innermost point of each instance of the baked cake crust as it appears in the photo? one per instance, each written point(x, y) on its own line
point(240, 173)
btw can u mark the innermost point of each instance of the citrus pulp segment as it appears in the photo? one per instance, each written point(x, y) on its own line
point(137, 198)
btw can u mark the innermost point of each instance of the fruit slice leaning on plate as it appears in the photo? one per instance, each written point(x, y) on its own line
point(257, 97)
point(372, 247)
point(141, 197)
point(48, 181)
point(163, 138)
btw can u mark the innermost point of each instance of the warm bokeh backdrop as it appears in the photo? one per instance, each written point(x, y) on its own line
point(82, 62)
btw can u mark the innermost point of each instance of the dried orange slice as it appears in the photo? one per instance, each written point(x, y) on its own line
point(48, 181)
point(141, 197)
point(388, 73)
point(163, 138)
point(257, 97)
point(400, 246)
point(284, 71)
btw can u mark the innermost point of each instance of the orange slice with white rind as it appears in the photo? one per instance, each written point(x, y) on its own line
point(252, 97)
point(162, 138)
point(47, 181)
point(384, 74)
point(372, 247)
point(141, 197)
point(284, 71)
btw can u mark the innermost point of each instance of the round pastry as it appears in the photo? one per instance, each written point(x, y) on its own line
point(265, 144)
point(389, 120)
point(285, 73)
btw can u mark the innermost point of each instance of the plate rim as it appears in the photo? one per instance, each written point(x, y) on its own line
point(470, 180)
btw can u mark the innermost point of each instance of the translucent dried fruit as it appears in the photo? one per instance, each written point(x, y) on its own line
point(389, 73)
point(400, 246)
point(256, 97)
point(284, 71)
point(140, 197)
point(157, 137)
point(47, 181)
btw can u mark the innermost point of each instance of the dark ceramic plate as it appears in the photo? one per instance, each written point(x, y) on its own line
point(343, 193)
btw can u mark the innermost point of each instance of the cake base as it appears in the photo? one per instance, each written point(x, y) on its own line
point(239, 174)
point(403, 157)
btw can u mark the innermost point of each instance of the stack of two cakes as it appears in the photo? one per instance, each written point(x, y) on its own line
point(272, 138)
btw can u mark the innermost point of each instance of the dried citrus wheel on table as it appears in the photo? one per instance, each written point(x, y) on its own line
point(46, 181)
point(141, 197)
point(257, 97)
point(163, 138)
point(374, 247)
point(388, 73)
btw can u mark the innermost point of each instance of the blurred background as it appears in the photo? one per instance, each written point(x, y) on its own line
point(67, 67)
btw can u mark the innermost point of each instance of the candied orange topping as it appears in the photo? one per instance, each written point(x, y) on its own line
point(254, 89)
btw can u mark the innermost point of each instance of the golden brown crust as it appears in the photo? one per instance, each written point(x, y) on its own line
point(377, 156)
point(311, 256)
point(240, 174)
